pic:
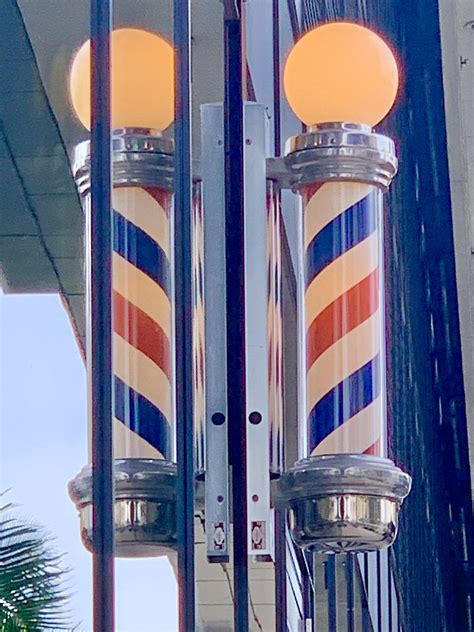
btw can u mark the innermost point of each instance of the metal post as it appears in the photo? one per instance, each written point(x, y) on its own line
point(332, 593)
point(183, 319)
point(262, 337)
point(379, 592)
point(280, 513)
point(295, 26)
point(280, 570)
point(276, 77)
point(100, 310)
point(235, 282)
point(350, 592)
point(217, 488)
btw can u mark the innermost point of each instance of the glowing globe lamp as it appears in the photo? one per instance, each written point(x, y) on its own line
point(142, 78)
point(341, 72)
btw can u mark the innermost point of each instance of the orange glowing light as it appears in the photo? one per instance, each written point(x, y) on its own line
point(142, 77)
point(341, 72)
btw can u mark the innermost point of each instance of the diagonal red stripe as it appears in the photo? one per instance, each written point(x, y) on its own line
point(161, 196)
point(308, 191)
point(142, 332)
point(343, 315)
point(374, 449)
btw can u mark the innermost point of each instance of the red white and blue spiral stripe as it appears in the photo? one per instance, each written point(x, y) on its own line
point(142, 360)
point(199, 340)
point(344, 319)
point(275, 329)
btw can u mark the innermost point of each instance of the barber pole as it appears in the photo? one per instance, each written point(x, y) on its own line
point(143, 380)
point(344, 494)
point(344, 302)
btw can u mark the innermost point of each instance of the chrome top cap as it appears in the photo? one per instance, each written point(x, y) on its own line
point(140, 157)
point(341, 152)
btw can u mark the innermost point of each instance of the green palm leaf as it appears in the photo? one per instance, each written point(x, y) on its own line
point(32, 596)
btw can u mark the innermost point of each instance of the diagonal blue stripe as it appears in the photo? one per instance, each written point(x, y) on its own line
point(141, 416)
point(344, 401)
point(344, 232)
point(133, 244)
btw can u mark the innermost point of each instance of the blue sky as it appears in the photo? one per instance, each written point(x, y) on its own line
point(43, 445)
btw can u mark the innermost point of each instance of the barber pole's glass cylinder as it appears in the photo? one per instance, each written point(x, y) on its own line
point(275, 330)
point(344, 324)
point(199, 337)
point(142, 350)
point(142, 322)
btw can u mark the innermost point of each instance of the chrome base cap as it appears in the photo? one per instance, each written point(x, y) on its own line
point(343, 502)
point(140, 157)
point(145, 507)
point(341, 152)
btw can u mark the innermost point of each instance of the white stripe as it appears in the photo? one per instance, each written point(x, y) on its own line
point(129, 445)
point(341, 275)
point(199, 388)
point(275, 390)
point(140, 208)
point(328, 202)
point(142, 291)
point(140, 373)
point(357, 434)
point(343, 358)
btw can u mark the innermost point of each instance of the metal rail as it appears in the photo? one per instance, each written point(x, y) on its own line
point(100, 335)
point(295, 25)
point(183, 316)
point(235, 283)
point(276, 77)
point(280, 514)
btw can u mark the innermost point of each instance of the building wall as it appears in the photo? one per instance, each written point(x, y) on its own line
point(427, 410)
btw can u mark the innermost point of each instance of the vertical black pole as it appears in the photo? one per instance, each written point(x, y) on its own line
point(183, 314)
point(365, 612)
point(389, 591)
point(332, 597)
point(308, 588)
point(350, 592)
point(276, 77)
point(379, 592)
point(280, 571)
point(235, 283)
point(280, 514)
point(295, 26)
point(100, 362)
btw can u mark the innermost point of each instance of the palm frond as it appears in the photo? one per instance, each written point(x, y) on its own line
point(32, 596)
